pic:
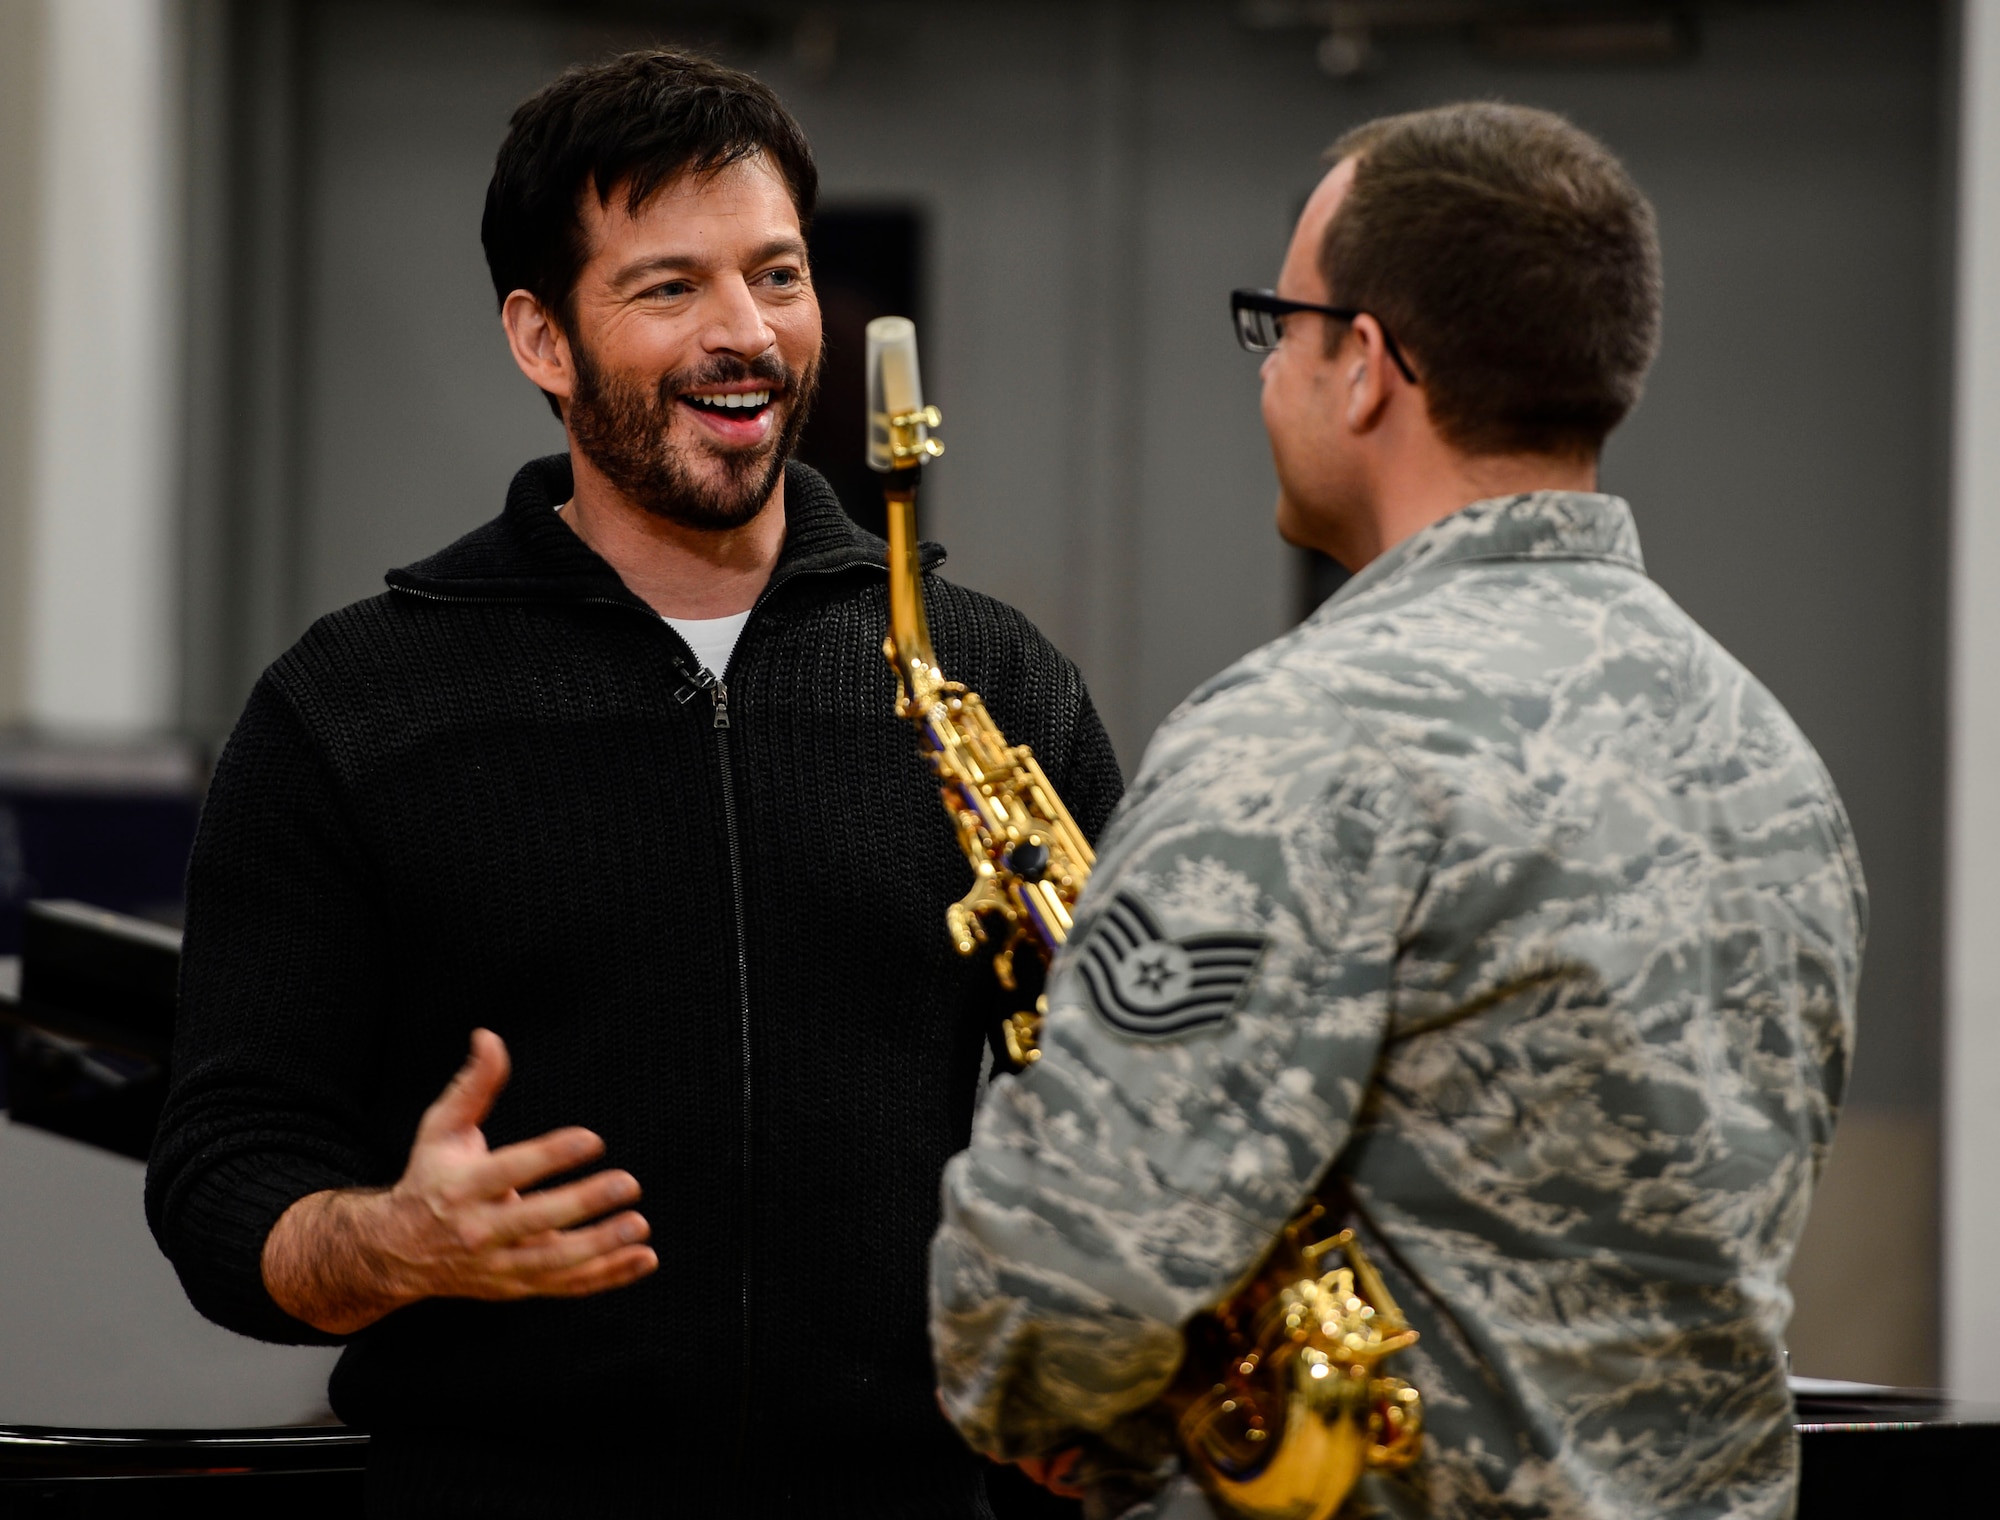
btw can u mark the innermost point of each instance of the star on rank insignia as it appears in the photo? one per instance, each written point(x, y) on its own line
point(1143, 983)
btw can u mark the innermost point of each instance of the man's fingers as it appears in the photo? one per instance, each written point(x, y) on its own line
point(559, 1208)
point(468, 1098)
point(617, 1270)
point(557, 1251)
point(526, 1162)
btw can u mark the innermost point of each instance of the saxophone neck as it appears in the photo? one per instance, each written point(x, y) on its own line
point(899, 444)
point(909, 628)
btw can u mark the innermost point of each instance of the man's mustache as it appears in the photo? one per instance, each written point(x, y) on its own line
point(728, 370)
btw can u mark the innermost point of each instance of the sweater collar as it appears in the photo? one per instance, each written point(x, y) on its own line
point(1532, 525)
point(528, 553)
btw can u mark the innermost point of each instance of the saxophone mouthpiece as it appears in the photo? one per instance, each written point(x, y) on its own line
point(899, 424)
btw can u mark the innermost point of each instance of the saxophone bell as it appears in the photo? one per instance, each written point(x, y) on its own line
point(1280, 1408)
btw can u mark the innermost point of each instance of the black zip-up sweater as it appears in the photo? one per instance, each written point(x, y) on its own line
point(708, 920)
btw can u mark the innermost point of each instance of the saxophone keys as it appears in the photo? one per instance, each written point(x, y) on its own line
point(1023, 1035)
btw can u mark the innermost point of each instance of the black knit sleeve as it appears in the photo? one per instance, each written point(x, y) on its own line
point(279, 1020)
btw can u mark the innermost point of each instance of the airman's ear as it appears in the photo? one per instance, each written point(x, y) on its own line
point(1368, 388)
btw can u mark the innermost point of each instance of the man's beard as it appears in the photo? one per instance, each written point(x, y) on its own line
point(627, 434)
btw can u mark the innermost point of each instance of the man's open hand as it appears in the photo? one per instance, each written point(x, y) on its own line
point(458, 1224)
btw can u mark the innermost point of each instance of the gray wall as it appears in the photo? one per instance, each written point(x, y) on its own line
point(21, 47)
point(1096, 177)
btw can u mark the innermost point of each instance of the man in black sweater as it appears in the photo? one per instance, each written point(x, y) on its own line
point(609, 794)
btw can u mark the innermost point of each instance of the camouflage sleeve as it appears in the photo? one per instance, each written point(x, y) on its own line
point(1213, 1025)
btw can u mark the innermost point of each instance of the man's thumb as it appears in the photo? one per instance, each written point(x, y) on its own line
point(468, 1098)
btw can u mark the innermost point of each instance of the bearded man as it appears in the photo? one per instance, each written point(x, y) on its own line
point(605, 809)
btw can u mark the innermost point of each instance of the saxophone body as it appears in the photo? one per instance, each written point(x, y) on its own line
point(1279, 1407)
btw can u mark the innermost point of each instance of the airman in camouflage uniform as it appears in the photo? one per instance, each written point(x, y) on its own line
point(1496, 907)
point(1502, 891)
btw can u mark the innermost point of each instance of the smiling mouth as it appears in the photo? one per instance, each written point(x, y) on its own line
point(737, 406)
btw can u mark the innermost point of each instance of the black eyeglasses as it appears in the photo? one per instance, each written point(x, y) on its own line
point(1260, 320)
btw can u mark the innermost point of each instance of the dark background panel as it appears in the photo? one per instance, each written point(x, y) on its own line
point(867, 262)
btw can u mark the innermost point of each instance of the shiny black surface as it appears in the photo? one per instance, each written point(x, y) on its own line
point(300, 1472)
point(35, 1452)
point(1886, 1452)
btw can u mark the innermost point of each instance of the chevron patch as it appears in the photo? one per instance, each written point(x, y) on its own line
point(1143, 983)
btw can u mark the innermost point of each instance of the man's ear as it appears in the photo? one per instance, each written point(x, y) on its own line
point(539, 345)
point(1371, 374)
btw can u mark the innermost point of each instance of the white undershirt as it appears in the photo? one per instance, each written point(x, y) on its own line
point(711, 639)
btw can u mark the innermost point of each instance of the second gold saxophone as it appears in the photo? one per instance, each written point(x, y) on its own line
point(1279, 1407)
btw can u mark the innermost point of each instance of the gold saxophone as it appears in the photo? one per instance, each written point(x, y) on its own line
point(1278, 1406)
point(1029, 859)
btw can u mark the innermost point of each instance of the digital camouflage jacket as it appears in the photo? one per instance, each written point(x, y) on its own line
point(1503, 890)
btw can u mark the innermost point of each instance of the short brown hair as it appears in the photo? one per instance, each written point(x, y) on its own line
point(629, 125)
point(1513, 258)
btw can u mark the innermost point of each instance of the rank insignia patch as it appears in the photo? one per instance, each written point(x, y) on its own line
point(1144, 983)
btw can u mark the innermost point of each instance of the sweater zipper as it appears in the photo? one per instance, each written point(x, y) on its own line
point(718, 693)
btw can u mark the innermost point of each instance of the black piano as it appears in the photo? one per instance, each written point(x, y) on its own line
point(308, 1472)
point(85, 1046)
point(1872, 1453)
point(1882, 1452)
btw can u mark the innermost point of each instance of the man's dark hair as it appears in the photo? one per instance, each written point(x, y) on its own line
point(628, 127)
point(1512, 257)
